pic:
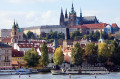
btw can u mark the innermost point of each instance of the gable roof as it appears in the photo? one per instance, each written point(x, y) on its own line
point(7, 40)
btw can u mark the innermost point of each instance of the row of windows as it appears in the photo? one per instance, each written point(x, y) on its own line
point(6, 58)
point(6, 51)
point(4, 64)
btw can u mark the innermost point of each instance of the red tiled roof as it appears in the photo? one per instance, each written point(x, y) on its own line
point(15, 63)
point(50, 50)
point(32, 41)
point(99, 25)
point(68, 49)
point(16, 53)
point(114, 25)
point(27, 45)
point(7, 40)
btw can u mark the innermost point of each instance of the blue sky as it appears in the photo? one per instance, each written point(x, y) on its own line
point(46, 12)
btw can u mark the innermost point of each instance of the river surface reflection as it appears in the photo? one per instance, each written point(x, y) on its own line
point(50, 76)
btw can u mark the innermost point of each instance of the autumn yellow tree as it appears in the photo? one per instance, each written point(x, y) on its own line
point(103, 52)
point(58, 56)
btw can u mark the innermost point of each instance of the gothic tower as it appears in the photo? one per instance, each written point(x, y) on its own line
point(81, 22)
point(72, 17)
point(14, 33)
point(66, 18)
point(61, 17)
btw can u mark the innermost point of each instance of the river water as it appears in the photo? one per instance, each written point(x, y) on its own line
point(50, 76)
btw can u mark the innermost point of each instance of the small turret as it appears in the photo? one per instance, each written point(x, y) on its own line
point(14, 25)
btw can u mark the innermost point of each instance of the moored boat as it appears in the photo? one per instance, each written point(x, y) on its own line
point(76, 70)
point(21, 71)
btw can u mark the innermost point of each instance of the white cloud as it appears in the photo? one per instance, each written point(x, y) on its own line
point(26, 19)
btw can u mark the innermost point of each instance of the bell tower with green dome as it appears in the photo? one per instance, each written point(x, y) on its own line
point(72, 17)
point(16, 34)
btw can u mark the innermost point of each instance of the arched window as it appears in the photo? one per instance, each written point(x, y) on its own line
point(15, 40)
point(19, 37)
point(15, 33)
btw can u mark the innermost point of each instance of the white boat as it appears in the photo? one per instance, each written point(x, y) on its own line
point(21, 71)
point(76, 70)
point(8, 72)
point(94, 70)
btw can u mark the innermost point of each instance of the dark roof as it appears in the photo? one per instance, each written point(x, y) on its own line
point(53, 26)
point(89, 18)
point(32, 27)
point(4, 45)
point(16, 53)
point(45, 26)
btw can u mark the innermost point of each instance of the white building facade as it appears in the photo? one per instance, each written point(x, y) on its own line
point(5, 56)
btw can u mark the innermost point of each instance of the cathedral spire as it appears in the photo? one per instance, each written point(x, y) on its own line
point(61, 17)
point(80, 12)
point(81, 20)
point(66, 15)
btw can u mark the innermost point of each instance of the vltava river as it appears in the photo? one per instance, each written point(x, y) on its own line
point(50, 76)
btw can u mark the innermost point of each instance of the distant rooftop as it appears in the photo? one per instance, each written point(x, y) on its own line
point(45, 26)
point(4, 45)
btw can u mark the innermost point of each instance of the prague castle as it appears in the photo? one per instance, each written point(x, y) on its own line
point(74, 20)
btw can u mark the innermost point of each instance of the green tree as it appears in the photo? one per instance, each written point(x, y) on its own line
point(30, 35)
point(76, 54)
point(91, 53)
point(61, 35)
point(115, 52)
point(74, 34)
point(44, 54)
point(42, 34)
point(24, 36)
point(103, 52)
point(32, 58)
point(95, 36)
point(58, 56)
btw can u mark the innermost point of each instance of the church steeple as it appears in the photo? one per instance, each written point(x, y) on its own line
point(61, 17)
point(14, 24)
point(101, 40)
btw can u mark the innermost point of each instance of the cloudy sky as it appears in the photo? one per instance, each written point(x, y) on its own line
point(46, 12)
